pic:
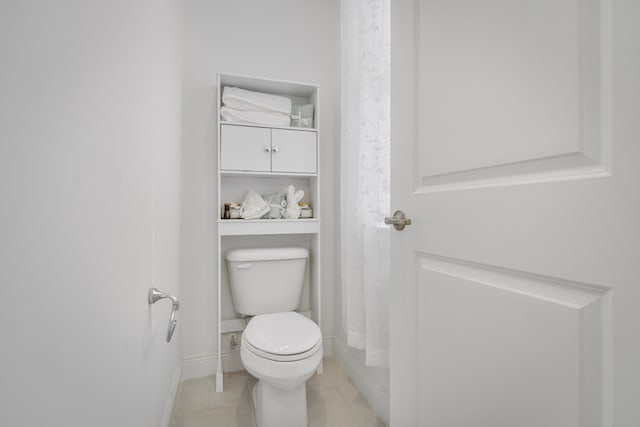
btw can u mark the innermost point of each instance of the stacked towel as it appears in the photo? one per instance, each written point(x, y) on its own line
point(245, 106)
point(254, 117)
point(242, 99)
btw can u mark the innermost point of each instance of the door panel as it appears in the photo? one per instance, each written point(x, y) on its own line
point(517, 349)
point(515, 304)
point(293, 151)
point(495, 108)
point(245, 148)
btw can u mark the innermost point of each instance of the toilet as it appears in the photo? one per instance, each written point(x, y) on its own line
point(280, 347)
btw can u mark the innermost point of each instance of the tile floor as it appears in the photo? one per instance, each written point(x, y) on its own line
point(331, 398)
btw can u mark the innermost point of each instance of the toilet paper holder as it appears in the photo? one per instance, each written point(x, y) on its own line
point(156, 295)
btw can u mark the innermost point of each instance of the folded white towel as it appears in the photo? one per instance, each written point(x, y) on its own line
point(242, 99)
point(254, 117)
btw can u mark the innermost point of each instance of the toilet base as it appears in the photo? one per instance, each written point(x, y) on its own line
point(275, 407)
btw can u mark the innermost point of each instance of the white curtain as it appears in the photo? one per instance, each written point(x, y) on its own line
point(365, 188)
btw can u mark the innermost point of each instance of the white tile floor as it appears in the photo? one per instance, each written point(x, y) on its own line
point(331, 398)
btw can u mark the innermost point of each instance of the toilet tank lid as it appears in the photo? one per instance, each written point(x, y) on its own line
point(266, 254)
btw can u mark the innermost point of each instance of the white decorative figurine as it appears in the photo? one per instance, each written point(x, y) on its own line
point(293, 197)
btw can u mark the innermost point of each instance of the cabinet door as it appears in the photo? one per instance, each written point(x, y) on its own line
point(293, 151)
point(245, 148)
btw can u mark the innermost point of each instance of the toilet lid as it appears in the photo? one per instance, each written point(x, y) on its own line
point(282, 334)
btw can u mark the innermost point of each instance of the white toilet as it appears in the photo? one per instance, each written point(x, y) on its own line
point(280, 347)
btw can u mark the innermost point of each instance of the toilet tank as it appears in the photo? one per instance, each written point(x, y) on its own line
point(266, 280)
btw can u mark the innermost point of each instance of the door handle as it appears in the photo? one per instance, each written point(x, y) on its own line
point(399, 220)
point(154, 296)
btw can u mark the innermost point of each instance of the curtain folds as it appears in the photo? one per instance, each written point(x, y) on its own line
point(365, 183)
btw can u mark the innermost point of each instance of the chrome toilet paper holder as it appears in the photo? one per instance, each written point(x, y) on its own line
point(156, 295)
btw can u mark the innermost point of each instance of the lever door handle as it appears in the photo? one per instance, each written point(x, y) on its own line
point(398, 220)
point(154, 296)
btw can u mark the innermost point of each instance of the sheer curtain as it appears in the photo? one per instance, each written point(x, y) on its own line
point(365, 187)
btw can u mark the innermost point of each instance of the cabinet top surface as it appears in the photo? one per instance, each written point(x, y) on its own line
point(268, 126)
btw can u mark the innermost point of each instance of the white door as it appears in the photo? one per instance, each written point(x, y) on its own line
point(515, 147)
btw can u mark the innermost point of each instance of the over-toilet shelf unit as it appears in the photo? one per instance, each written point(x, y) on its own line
point(266, 159)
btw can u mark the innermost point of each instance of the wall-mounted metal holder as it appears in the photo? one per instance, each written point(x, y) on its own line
point(156, 295)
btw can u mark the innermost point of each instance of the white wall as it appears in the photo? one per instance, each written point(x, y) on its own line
point(89, 187)
point(284, 39)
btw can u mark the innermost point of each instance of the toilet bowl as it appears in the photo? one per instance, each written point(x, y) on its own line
point(282, 350)
point(280, 347)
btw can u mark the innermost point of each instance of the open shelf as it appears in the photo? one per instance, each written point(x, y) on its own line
point(265, 174)
point(245, 227)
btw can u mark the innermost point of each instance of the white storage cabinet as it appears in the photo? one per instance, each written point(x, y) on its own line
point(266, 159)
point(258, 149)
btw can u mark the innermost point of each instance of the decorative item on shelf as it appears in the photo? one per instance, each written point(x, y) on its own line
point(302, 116)
point(292, 211)
point(234, 211)
point(305, 210)
point(231, 211)
point(277, 202)
point(253, 206)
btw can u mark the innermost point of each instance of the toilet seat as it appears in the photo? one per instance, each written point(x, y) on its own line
point(281, 358)
point(282, 337)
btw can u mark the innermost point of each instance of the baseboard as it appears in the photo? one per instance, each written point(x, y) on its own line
point(204, 365)
point(327, 346)
point(170, 403)
point(377, 398)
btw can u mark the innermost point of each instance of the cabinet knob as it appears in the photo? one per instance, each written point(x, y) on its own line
point(267, 149)
point(275, 149)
